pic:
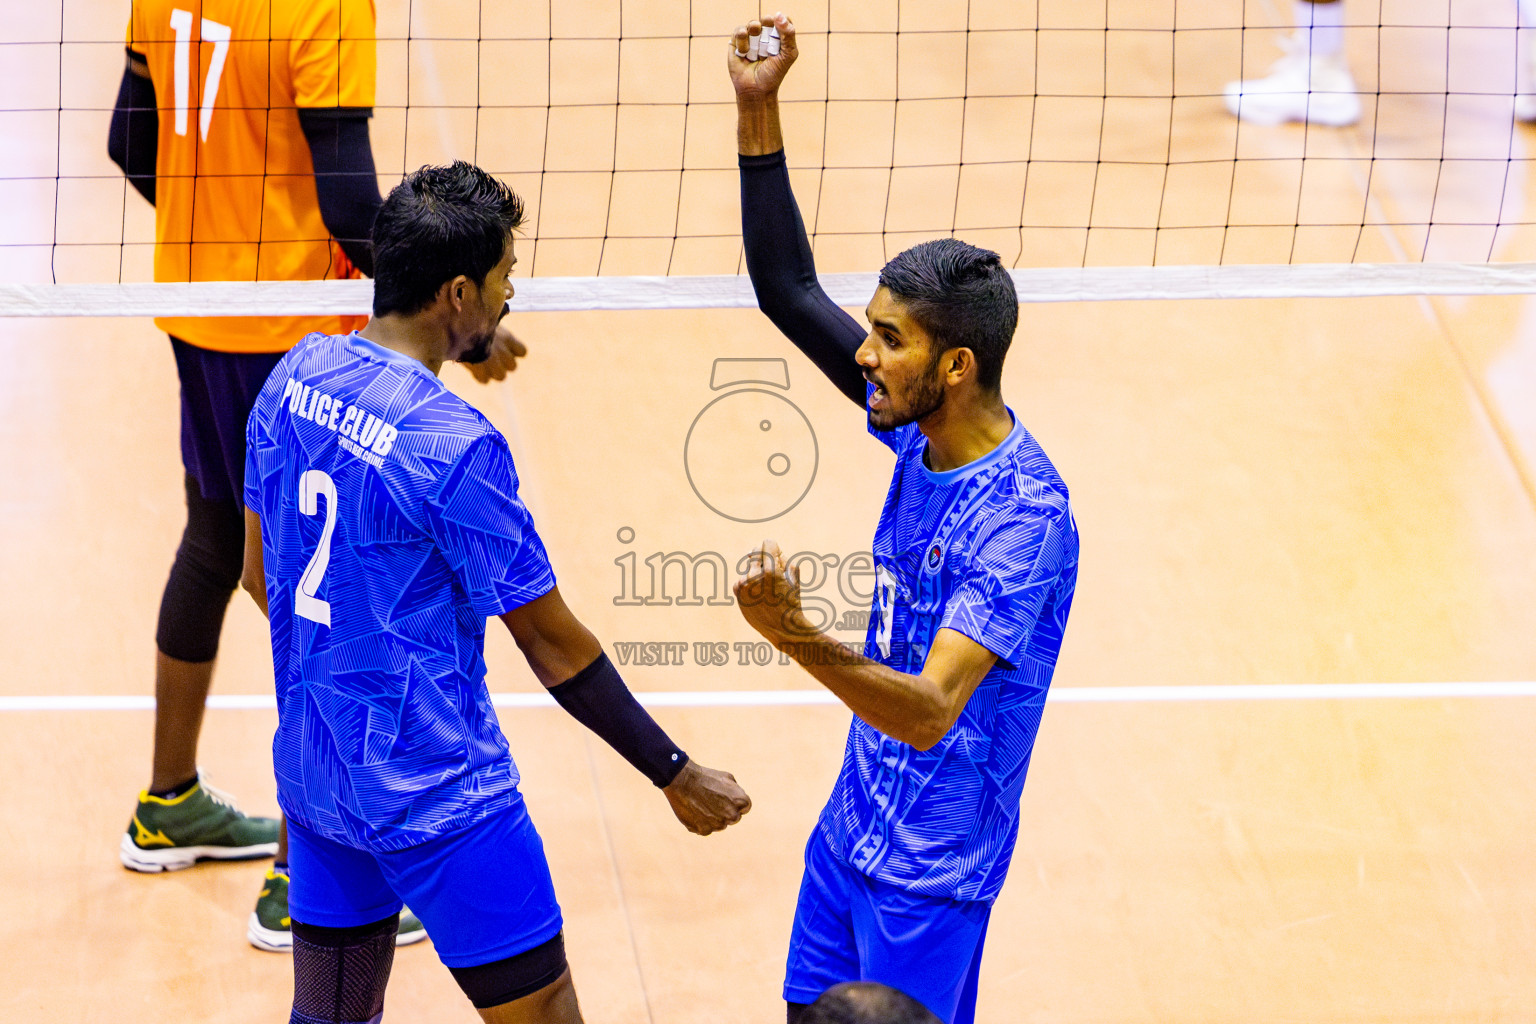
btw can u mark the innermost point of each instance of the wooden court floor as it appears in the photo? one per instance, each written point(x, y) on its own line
point(1269, 492)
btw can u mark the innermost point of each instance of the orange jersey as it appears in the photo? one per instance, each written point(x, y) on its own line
point(235, 188)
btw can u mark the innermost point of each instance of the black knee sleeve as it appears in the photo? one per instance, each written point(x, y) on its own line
point(204, 575)
point(492, 984)
point(339, 974)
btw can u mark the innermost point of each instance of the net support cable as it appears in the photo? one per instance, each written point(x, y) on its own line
point(571, 294)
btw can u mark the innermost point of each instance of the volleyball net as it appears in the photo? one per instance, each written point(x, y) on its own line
point(1086, 141)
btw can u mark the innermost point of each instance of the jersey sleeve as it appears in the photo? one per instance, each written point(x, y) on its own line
point(143, 35)
point(486, 532)
point(134, 34)
point(333, 54)
point(1006, 585)
point(255, 441)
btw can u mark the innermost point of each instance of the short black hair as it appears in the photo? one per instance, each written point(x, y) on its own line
point(962, 296)
point(438, 223)
point(866, 1002)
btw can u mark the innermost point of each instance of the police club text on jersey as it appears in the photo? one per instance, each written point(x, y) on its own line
point(357, 430)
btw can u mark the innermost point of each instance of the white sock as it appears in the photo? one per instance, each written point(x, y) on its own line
point(1321, 26)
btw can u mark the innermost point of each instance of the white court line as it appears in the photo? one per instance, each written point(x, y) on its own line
point(789, 698)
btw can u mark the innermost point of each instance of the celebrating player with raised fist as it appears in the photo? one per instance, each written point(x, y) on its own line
point(976, 563)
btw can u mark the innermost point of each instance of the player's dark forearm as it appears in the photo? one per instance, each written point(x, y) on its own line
point(758, 131)
point(346, 183)
point(134, 134)
point(909, 708)
point(783, 273)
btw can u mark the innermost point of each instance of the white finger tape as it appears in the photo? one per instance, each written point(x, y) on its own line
point(765, 45)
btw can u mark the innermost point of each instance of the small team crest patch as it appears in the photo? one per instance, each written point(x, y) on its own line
point(935, 556)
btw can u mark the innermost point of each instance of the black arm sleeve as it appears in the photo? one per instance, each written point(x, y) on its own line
point(783, 274)
point(135, 132)
point(345, 181)
point(598, 699)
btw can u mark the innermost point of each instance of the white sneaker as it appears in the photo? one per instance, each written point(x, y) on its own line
point(1299, 87)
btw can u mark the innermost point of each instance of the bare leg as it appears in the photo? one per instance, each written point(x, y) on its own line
point(282, 839)
point(181, 690)
point(555, 1003)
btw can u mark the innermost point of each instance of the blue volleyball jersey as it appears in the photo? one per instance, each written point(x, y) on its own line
point(391, 530)
point(988, 550)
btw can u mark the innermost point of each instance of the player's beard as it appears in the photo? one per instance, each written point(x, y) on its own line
point(926, 395)
point(482, 350)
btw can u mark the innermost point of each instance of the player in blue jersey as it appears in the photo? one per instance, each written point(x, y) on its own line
point(976, 562)
point(383, 527)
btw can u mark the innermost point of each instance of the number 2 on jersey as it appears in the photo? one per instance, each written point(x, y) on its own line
point(885, 597)
point(312, 485)
point(212, 32)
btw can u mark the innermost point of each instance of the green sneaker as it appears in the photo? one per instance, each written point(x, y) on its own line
point(201, 824)
point(270, 928)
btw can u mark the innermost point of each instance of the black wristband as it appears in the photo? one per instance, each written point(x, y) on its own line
point(598, 699)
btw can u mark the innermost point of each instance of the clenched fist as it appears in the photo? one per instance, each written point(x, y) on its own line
point(706, 800)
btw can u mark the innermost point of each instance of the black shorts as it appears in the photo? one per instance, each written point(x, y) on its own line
point(218, 390)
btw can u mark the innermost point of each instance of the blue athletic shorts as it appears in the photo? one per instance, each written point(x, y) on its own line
point(218, 390)
point(483, 892)
point(850, 927)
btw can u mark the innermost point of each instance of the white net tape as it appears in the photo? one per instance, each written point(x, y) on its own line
point(556, 294)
